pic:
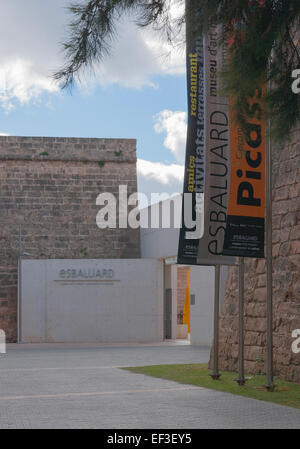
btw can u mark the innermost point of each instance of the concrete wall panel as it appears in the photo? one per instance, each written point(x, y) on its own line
point(65, 300)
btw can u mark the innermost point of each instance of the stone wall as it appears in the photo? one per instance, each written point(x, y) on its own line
point(49, 186)
point(286, 280)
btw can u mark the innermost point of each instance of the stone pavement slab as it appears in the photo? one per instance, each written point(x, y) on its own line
point(82, 386)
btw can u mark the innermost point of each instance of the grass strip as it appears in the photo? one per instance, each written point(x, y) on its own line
point(286, 393)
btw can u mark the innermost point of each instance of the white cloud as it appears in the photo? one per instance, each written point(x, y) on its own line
point(156, 177)
point(139, 53)
point(19, 80)
point(173, 123)
point(162, 173)
point(4, 134)
point(131, 62)
point(135, 57)
point(29, 49)
point(30, 38)
point(170, 58)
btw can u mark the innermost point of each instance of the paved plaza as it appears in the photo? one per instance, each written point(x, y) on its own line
point(82, 386)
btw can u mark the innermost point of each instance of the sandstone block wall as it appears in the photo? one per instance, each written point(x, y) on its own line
point(286, 280)
point(49, 186)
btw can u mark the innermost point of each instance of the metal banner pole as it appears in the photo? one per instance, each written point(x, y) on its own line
point(269, 385)
point(19, 286)
point(215, 373)
point(241, 378)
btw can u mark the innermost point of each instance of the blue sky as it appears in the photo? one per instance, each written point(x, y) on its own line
point(134, 93)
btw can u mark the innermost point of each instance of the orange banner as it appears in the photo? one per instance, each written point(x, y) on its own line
point(247, 183)
point(244, 235)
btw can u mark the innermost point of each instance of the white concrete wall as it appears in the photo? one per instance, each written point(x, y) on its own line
point(162, 243)
point(158, 241)
point(202, 313)
point(121, 305)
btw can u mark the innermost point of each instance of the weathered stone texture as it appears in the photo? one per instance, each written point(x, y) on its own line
point(286, 280)
point(49, 186)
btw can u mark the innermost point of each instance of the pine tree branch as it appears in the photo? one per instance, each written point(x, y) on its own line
point(258, 32)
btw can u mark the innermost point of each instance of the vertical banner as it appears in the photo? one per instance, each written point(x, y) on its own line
point(194, 173)
point(223, 205)
point(207, 164)
point(244, 234)
point(217, 155)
